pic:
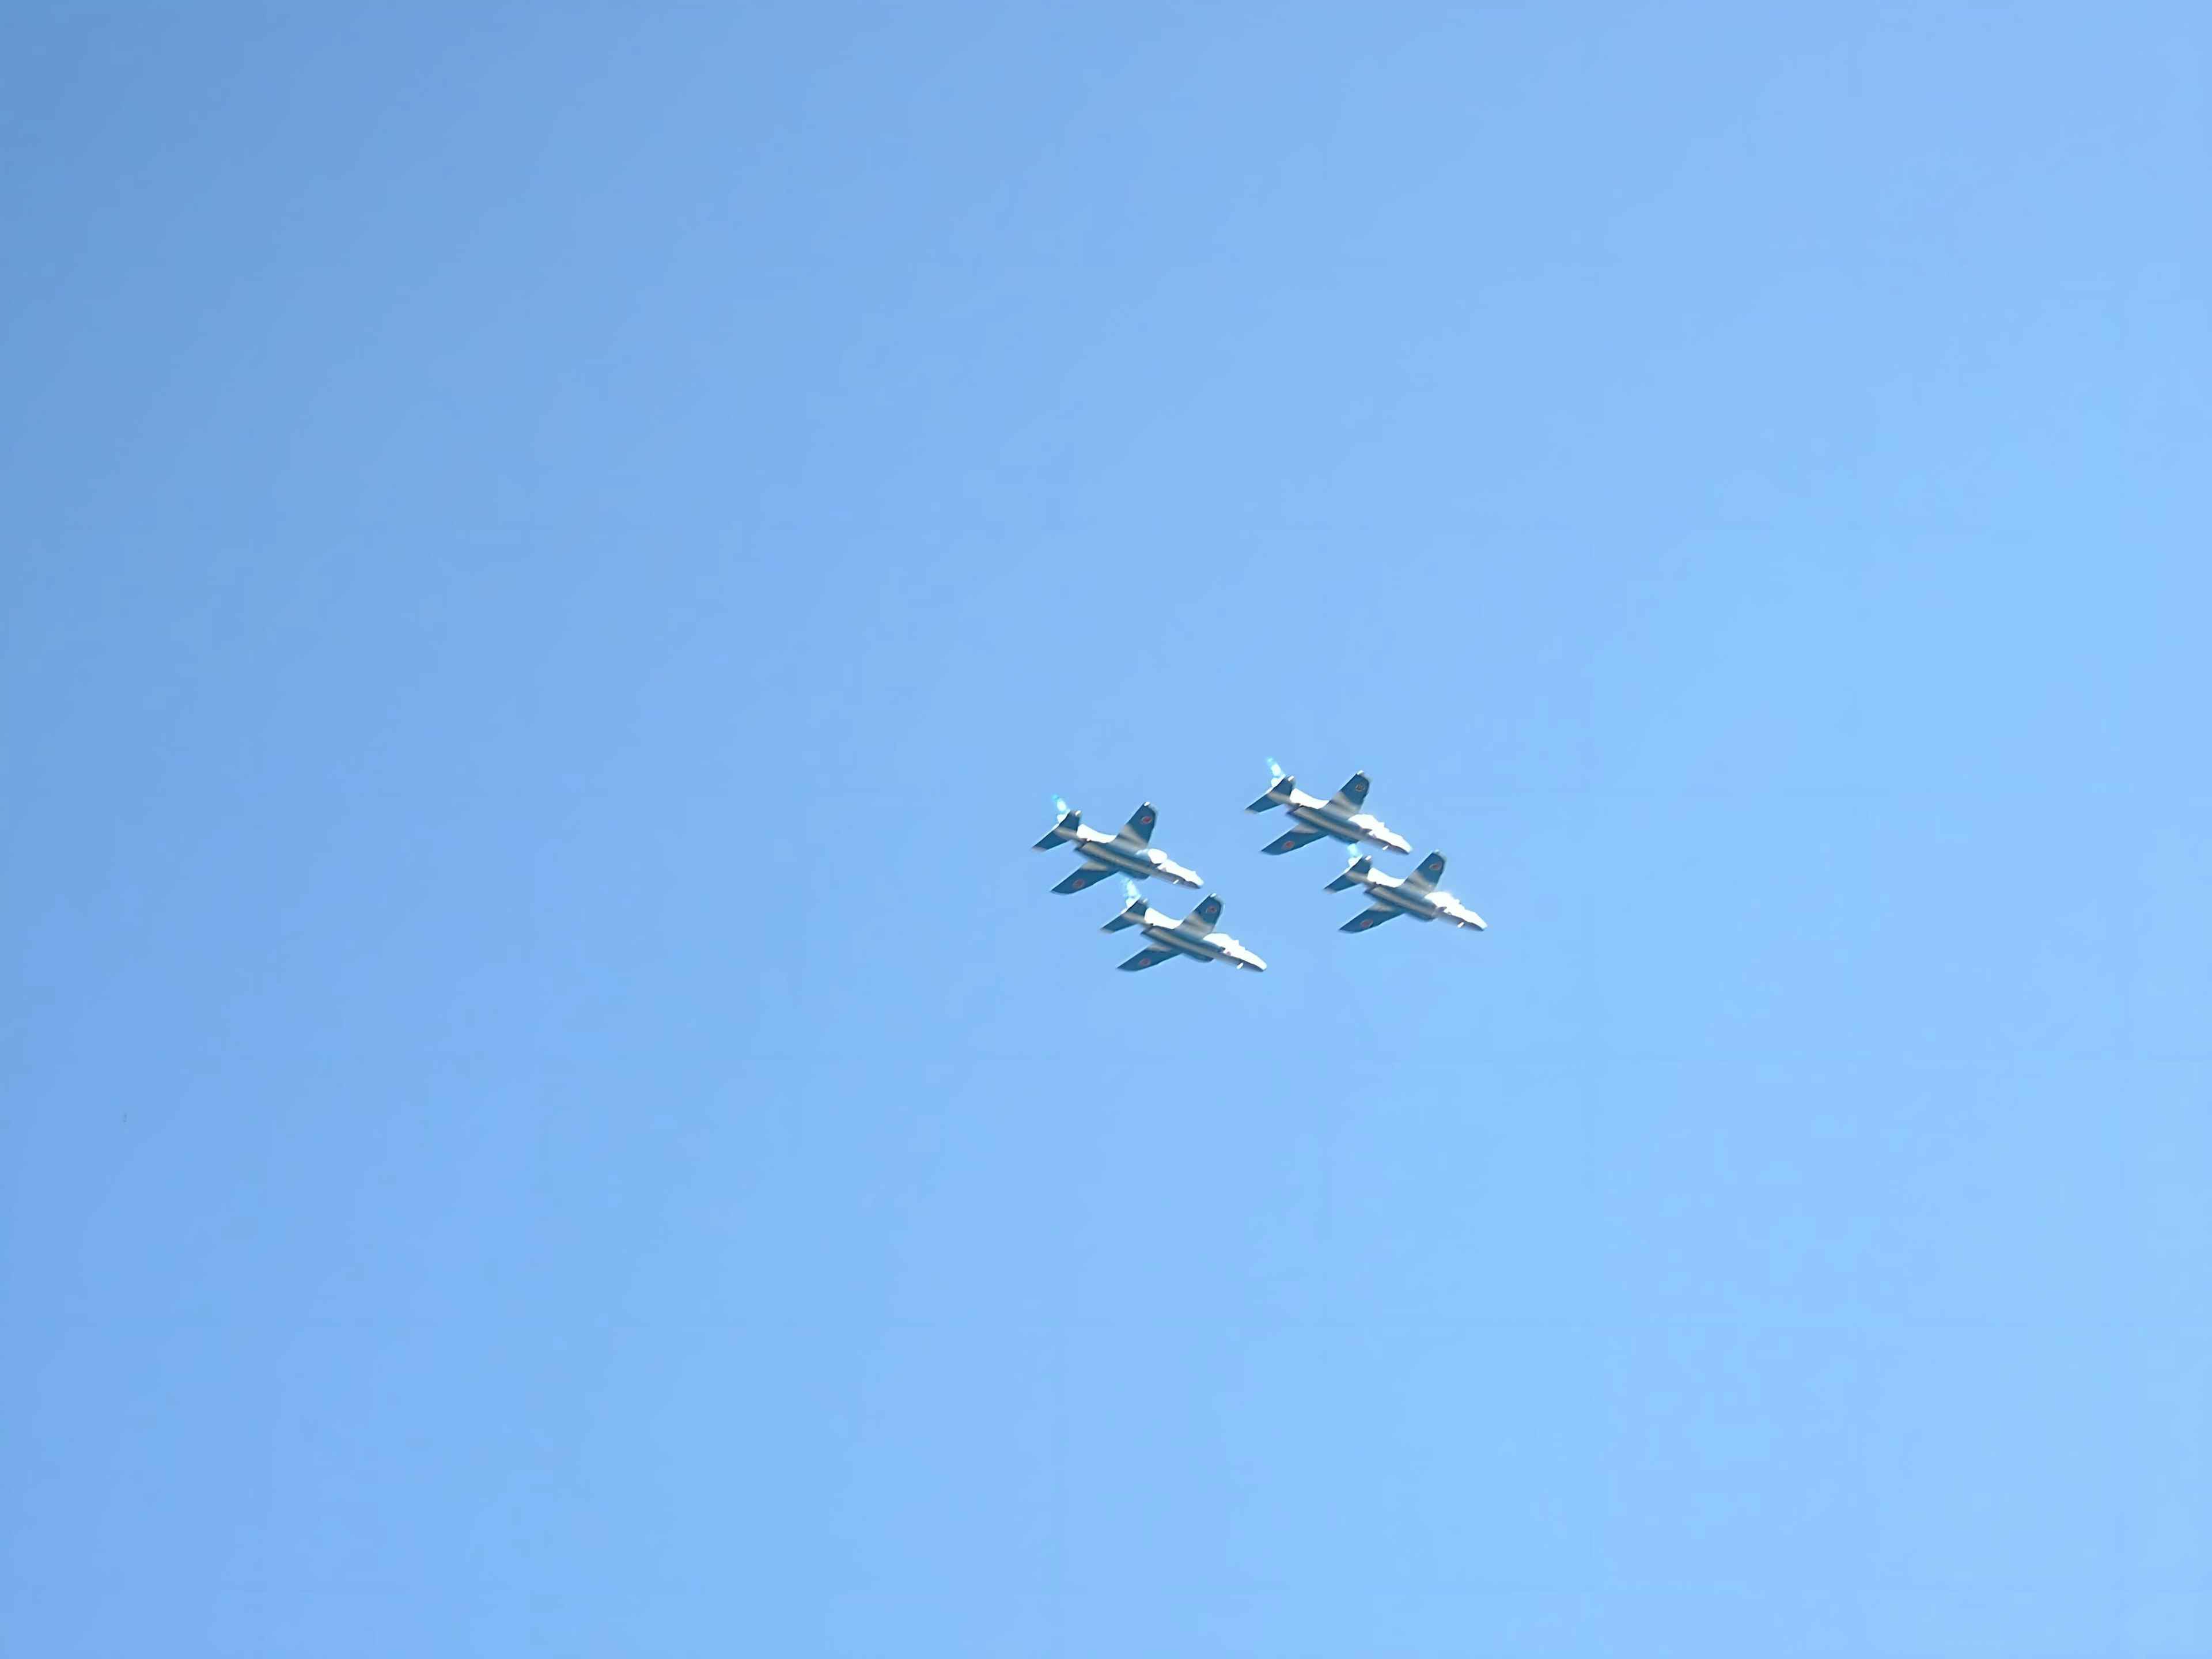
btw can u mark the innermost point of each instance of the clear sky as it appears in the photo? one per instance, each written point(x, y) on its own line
point(551, 562)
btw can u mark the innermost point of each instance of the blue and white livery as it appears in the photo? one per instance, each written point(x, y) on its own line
point(1129, 852)
point(1417, 896)
point(1192, 936)
point(1340, 815)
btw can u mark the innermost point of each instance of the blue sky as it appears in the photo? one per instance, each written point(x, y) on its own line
point(553, 561)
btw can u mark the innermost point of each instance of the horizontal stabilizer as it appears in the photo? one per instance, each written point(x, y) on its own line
point(1132, 914)
point(1350, 878)
point(1278, 791)
point(1064, 830)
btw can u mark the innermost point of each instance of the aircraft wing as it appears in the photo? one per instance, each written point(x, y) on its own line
point(1151, 957)
point(1083, 876)
point(1367, 919)
point(1291, 841)
point(1138, 831)
point(1353, 796)
point(1206, 913)
point(1431, 872)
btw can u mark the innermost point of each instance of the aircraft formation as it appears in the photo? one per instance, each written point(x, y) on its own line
point(1129, 853)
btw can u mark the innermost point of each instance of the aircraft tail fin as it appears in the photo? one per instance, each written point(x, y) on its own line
point(1279, 790)
point(1132, 914)
point(1063, 828)
point(1352, 872)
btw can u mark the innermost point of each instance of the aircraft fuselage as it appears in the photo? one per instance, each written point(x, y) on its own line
point(1166, 931)
point(1099, 848)
point(1433, 905)
point(1350, 828)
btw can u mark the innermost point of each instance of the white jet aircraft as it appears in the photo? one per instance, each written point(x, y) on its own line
point(1192, 936)
point(1417, 896)
point(1127, 854)
point(1339, 816)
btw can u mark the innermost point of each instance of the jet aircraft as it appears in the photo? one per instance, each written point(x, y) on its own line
point(1192, 936)
point(1339, 816)
point(1417, 896)
point(1128, 852)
